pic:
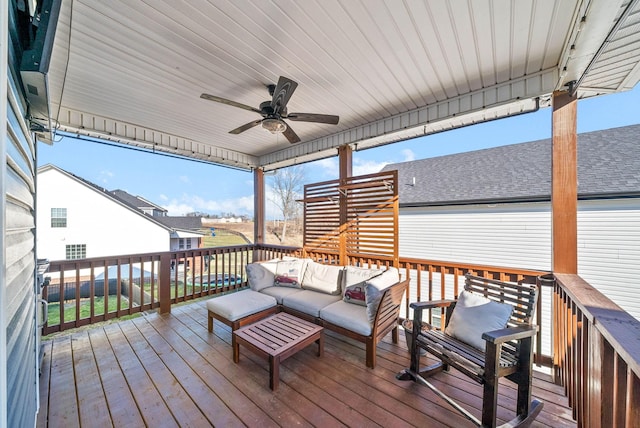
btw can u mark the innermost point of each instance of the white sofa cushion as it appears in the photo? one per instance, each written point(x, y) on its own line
point(375, 287)
point(351, 317)
point(280, 292)
point(240, 304)
point(475, 314)
point(309, 302)
point(322, 278)
point(261, 275)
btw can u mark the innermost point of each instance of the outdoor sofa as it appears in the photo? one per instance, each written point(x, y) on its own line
point(360, 303)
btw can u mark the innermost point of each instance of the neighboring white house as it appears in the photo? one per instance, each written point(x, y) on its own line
point(493, 207)
point(78, 219)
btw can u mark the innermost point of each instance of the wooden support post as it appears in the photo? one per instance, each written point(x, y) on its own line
point(564, 184)
point(258, 210)
point(345, 159)
point(165, 283)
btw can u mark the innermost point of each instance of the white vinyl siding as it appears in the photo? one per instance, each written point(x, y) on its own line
point(609, 249)
point(512, 235)
point(519, 235)
point(18, 298)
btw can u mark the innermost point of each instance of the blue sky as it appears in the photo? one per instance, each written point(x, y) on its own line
point(184, 186)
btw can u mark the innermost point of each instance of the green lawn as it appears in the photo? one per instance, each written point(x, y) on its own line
point(85, 309)
point(222, 239)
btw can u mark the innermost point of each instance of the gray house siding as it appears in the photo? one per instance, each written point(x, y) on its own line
point(18, 303)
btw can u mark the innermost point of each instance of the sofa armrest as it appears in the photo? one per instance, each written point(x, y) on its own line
point(388, 310)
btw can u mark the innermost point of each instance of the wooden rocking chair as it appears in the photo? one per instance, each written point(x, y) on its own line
point(508, 351)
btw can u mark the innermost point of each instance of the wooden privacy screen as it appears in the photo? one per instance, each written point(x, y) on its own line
point(353, 217)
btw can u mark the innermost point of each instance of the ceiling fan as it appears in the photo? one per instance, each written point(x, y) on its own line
point(273, 112)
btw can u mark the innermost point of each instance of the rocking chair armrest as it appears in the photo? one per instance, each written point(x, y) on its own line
point(510, 333)
point(430, 304)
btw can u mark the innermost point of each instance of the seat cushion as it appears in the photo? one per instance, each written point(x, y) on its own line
point(346, 315)
point(240, 304)
point(475, 314)
point(309, 302)
point(280, 292)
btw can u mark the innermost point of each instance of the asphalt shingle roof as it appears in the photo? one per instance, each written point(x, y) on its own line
point(608, 165)
point(183, 223)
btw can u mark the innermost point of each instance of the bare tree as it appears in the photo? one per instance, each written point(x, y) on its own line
point(287, 186)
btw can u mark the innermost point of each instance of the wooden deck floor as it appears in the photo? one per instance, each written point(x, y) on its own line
point(168, 370)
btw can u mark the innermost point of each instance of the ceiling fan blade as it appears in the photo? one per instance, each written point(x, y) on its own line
point(282, 94)
point(229, 102)
point(245, 127)
point(312, 117)
point(291, 135)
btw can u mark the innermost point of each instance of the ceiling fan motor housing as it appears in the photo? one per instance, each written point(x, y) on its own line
point(266, 108)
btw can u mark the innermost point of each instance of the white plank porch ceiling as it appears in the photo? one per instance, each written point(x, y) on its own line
point(133, 71)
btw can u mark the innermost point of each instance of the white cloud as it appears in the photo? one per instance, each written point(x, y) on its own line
point(189, 203)
point(408, 155)
point(328, 166)
point(362, 167)
point(105, 175)
point(184, 179)
point(163, 197)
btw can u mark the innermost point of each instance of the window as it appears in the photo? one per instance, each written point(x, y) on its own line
point(181, 244)
point(58, 217)
point(188, 243)
point(76, 251)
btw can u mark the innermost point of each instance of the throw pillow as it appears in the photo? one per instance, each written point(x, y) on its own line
point(289, 273)
point(355, 280)
point(358, 276)
point(322, 278)
point(375, 288)
point(475, 314)
point(260, 276)
point(355, 294)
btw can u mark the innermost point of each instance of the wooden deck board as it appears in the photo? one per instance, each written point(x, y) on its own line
point(92, 402)
point(153, 409)
point(217, 395)
point(122, 406)
point(63, 409)
point(168, 370)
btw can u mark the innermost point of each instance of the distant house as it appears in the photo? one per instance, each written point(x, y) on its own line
point(493, 207)
point(79, 219)
point(142, 204)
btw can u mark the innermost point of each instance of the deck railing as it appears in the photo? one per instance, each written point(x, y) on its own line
point(592, 345)
point(596, 355)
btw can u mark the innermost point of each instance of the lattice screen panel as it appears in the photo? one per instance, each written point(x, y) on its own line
point(357, 217)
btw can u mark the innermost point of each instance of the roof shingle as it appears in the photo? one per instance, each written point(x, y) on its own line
point(608, 165)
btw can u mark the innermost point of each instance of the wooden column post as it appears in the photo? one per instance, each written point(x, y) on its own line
point(564, 184)
point(258, 210)
point(164, 294)
point(345, 160)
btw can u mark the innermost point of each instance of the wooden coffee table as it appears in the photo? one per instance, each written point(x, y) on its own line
point(277, 338)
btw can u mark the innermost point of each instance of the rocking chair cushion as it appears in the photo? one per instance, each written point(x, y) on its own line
point(475, 314)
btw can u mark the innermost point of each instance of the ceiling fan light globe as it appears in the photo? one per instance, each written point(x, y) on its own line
point(275, 126)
